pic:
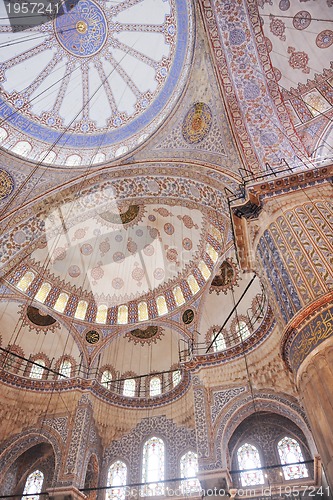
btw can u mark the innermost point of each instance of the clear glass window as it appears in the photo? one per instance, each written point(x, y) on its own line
point(176, 377)
point(106, 378)
point(37, 371)
point(65, 369)
point(129, 388)
point(243, 330)
point(218, 343)
point(155, 386)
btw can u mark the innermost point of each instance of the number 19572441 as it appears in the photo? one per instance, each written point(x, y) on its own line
point(18, 7)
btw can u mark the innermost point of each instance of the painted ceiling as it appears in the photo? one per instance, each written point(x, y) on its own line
point(126, 251)
point(258, 89)
point(99, 78)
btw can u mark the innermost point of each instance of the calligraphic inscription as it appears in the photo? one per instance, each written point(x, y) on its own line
point(306, 340)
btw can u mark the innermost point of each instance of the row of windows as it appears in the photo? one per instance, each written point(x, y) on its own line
point(10, 361)
point(122, 311)
point(153, 469)
point(242, 333)
point(153, 465)
point(66, 369)
point(289, 452)
point(153, 472)
point(37, 370)
point(129, 386)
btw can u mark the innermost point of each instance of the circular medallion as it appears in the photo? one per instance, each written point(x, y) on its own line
point(92, 337)
point(82, 29)
point(188, 316)
point(197, 123)
point(302, 20)
point(6, 184)
point(324, 39)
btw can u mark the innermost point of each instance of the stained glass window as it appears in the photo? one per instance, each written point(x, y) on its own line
point(106, 378)
point(153, 466)
point(218, 343)
point(290, 452)
point(65, 368)
point(129, 387)
point(155, 386)
point(248, 458)
point(176, 377)
point(37, 371)
point(117, 476)
point(243, 330)
point(33, 485)
point(189, 468)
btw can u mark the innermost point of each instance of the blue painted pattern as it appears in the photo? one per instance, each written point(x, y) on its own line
point(94, 140)
point(82, 29)
point(284, 290)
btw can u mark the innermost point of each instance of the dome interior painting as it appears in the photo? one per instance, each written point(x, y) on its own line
point(166, 318)
point(99, 77)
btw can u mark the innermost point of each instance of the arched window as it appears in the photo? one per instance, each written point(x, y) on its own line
point(290, 452)
point(248, 458)
point(153, 466)
point(242, 329)
point(155, 386)
point(129, 387)
point(33, 485)
point(176, 377)
point(106, 378)
point(189, 469)
point(117, 476)
point(9, 361)
point(65, 369)
point(37, 371)
point(218, 343)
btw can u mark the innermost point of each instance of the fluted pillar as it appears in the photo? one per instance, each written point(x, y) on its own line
point(284, 232)
point(308, 351)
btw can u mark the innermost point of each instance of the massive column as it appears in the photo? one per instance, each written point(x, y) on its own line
point(284, 232)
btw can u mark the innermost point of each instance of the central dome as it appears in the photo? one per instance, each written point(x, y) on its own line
point(96, 82)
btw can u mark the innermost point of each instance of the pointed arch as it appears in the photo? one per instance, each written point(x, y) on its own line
point(153, 459)
point(117, 477)
point(189, 469)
